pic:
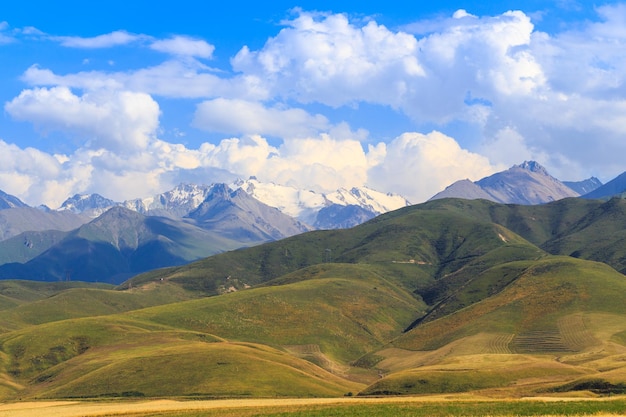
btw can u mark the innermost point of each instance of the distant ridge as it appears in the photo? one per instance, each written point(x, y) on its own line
point(92, 205)
point(9, 201)
point(317, 210)
point(585, 186)
point(528, 183)
point(614, 188)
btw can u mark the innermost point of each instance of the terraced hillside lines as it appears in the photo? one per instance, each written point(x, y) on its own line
point(540, 341)
point(484, 344)
point(575, 333)
point(500, 344)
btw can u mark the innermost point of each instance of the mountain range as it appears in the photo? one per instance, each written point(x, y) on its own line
point(122, 242)
point(527, 183)
point(193, 221)
point(445, 297)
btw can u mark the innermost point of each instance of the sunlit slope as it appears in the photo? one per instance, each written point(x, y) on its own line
point(311, 328)
point(560, 318)
point(109, 356)
point(15, 295)
point(85, 302)
point(346, 310)
point(587, 229)
point(415, 247)
point(599, 235)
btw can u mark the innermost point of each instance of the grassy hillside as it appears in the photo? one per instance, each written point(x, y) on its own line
point(310, 330)
point(26, 246)
point(448, 296)
point(346, 310)
point(86, 302)
point(562, 319)
point(416, 245)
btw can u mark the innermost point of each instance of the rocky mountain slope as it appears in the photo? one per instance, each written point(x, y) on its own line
point(303, 205)
point(615, 187)
point(527, 183)
point(111, 248)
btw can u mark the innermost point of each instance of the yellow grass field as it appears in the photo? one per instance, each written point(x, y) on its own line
point(234, 407)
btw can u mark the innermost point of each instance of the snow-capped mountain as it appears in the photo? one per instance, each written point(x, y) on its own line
point(305, 205)
point(176, 203)
point(92, 205)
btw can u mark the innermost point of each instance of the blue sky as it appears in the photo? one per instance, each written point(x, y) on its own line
point(128, 99)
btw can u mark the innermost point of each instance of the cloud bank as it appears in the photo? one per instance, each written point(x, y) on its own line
point(524, 94)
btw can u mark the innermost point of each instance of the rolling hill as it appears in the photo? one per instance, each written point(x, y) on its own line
point(447, 296)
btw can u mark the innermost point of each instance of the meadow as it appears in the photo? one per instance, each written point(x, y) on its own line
point(429, 300)
point(428, 406)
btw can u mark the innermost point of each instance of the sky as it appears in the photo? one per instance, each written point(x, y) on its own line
point(128, 99)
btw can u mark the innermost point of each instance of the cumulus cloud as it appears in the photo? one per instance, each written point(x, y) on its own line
point(418, 166)
point(5, 38)
point(414, 165)
point(325, 58)
point(556, 98)
point(245, 117)
point(184, 46)
point(117, 38)
point(116, 120)
point(187, 79)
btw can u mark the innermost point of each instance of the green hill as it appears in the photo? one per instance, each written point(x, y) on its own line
point(447, 296)
point(558, 317)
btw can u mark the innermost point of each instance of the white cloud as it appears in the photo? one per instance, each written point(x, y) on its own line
point(325, 58)
point(328, 59)
point(174, 78)
point(184, 46)
point(414, 165)
point(555, 98)
point(116, 120)
point(418, 166)
point(117, 38)
point(5, 38)
point(245, 117)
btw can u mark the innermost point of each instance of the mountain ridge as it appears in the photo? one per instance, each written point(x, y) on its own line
point(527, 183)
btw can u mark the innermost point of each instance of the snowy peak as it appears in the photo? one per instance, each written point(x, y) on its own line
point(178, 202)
point(92, 205)
point(532, 166)
point(371, 200)
point(306, 205)
point(302, 205)
point(237, 215)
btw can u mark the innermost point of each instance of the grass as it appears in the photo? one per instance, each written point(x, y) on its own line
point(346, 317)
point(400, 407)
point(480, 409)
point(193, 369)
point(115, 357)
point(488, 312)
